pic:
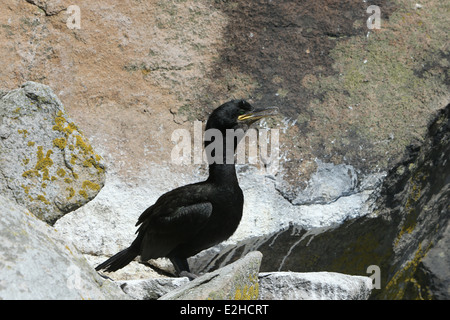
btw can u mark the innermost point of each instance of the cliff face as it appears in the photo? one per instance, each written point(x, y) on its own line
point(416, 195)
point(405, 235)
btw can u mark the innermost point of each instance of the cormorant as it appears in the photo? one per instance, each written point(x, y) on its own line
point(189, 219)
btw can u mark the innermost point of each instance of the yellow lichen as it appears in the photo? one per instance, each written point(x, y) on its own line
point(90, 162)
point(68, 180)
point(45, 174)
point(30, 173)
point(60, 143)
point(31, 143)
point(24, 132)
point(71, 193)
point(59, 125)
point(91, 185)
point(73, 159)
point(70, 128)
point(61, 172)
point(83, 193)
point(397, 286)
point(43, 162)
point(43, 199)
point(247, 293)
point(26, 188)
point(87, 149)
point(59, 120)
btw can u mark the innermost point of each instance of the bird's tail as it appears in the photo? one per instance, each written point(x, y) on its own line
point(119, 260)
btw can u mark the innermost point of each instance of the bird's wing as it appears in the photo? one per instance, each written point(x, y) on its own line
point(164, 233)
point(168, 204)
point(185, 216)
point(175, 218)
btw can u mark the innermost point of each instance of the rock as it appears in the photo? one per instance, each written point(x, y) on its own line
point(50, 7)
point(415, 196)
point(238, 281)
point(151, 289)
point(37, 263)
point(436, 267)
point(313, 286)
point(403, 234)
point(46, 162)
point(327, 184)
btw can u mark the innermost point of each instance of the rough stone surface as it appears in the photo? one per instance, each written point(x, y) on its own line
point(151, 289)
point(46, 163)
point(327, 184)
point(37, 263)
point(313, 286)
point(237, 281)
point(436, 267)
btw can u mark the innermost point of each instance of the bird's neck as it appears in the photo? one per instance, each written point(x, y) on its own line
point(222, 173)
point(220, 154)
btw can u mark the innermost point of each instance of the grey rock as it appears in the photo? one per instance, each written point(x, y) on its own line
point(151, 289)
point(313, 286)
point(36, 263)
point(327, 184)
point(238, 281)
point(436, 267)
point(46, 163)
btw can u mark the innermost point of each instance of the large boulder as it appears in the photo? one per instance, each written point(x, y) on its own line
point(238, 281)
point(37, 263)
point(46, 162)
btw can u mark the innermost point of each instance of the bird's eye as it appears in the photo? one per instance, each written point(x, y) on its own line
point(241, 112)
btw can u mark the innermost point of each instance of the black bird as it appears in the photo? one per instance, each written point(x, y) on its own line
point(197, 216)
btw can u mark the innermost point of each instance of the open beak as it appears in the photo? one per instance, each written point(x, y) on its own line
point(257, 114)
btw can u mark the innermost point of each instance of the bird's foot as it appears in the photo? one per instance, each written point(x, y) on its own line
point(189, 275)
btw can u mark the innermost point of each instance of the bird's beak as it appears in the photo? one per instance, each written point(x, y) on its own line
point(257, 114)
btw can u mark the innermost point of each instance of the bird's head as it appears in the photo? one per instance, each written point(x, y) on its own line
point(237, 114)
